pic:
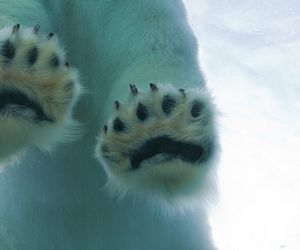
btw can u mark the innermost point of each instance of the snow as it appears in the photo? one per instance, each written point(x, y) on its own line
point(250, 55)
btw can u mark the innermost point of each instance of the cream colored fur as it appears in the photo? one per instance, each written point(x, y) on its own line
point(55, 89)
point(173, 180)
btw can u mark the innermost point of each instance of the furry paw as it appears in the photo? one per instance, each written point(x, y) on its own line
point(37, 90)
point(163, 142)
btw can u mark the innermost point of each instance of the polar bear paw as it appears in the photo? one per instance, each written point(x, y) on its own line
point(162, 141)
point(37, 90)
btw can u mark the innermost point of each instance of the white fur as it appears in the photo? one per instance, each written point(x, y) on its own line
point(57, 200)
point(173, 180)
point(20, 131)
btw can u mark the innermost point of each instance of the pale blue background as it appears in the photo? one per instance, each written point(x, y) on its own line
point(250, 53)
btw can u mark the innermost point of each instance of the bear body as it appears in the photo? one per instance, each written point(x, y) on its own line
point(55, 199)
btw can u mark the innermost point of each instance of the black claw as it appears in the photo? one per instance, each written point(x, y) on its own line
point(182, 91)
point(36, 29)
point(168, 104)
point(133, 89)
point(117, 105)
point(142, 112)
point(119, 126)
point(16, 27)
point(197, 109)
point(50, 35)
point(105, 129)
point(153, 87)
point(54, 61)
point(32, 55)
point(67, 64)
point(8, 50)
